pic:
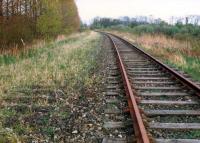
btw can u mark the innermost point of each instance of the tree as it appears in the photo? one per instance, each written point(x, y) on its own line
point(1, 8)
point(49, 23)
point(28, 19)
point(70, 17)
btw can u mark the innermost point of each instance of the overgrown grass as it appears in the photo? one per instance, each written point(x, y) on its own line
point(183, 54)
point(37, 86)
point(52, 65)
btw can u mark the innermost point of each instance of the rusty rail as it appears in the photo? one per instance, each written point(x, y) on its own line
point(140, 131)
point(178, 76)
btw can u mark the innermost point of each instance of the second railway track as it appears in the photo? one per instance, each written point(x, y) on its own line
point(163, 105)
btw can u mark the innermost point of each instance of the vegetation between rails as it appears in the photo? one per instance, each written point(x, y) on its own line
point(36, 87)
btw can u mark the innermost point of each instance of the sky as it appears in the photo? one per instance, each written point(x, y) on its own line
point(88, 9)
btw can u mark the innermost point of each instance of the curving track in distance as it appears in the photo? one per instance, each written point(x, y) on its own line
point(164, 105)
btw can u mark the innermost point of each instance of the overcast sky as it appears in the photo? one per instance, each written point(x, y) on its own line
point(89, 9)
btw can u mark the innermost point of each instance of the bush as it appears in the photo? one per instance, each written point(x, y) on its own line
point(144, 29)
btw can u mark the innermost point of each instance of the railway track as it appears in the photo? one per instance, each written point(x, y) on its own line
point(152, 102)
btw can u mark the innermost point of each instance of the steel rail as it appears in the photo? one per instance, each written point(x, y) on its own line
point(140, 131)
point(177, 75)
point(139, 128)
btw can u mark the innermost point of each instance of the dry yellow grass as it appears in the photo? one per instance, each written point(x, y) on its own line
point(183, 54)
point(158, 42)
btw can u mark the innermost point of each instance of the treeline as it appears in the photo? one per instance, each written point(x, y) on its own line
point(157, 26)
point(108, 22)
point(23, 20)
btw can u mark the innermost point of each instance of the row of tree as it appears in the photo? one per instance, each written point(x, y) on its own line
point(138, 20)
point(142, 25)
point(126, 21)
point(24, 20)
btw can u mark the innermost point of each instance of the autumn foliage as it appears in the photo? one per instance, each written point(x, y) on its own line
point(24, 20)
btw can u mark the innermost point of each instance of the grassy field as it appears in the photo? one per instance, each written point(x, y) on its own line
point(37, 85)
point(183, 54)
